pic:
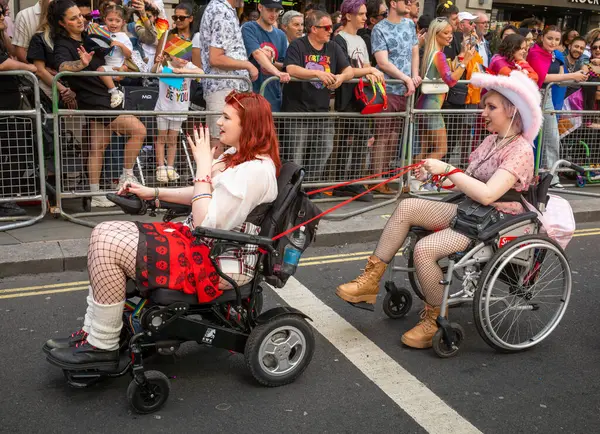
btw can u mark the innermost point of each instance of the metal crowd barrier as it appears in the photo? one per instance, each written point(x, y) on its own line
point(73, 138)
point(457, 133)
point(22, 170)
point(335, 147)
point(578, 135)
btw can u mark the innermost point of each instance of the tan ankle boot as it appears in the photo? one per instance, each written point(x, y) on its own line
point(366, 286)
point(420, 336)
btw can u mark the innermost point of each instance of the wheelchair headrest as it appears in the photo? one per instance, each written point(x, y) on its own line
point(289, 182)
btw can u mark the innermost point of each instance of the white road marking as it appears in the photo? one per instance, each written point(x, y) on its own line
point(412, 396)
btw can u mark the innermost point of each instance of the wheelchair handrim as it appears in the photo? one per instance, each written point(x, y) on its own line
point(518, 249)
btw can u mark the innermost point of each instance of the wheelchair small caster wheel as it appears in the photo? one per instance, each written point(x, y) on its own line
point(442, 348)
point(581, 181)
point(397, 301)
point(279, 350)
point(149, 397)
point(86, 204)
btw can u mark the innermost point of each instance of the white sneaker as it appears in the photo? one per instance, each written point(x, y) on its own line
point(172, 173)
point(101, 202)
point(162, 175)
point(126, 178)
point(116, 98)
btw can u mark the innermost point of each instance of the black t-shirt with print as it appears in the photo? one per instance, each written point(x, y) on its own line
point(10, 98)
point(90, 92)
point(311, 96)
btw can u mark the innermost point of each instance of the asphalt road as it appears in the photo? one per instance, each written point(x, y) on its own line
point(551, 388)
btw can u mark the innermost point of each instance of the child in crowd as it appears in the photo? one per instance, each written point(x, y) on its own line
point(171, 98)
point(114, 17)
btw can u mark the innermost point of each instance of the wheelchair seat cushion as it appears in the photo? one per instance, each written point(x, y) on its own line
point(166, 296)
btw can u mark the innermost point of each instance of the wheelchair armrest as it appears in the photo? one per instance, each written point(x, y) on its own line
point(455, 197)
point(493, 230)
point(176, 207)
point(219, 234)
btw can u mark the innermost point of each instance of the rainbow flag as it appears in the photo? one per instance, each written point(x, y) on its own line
point(161, 25)
point(178, 47)
point(97, 29)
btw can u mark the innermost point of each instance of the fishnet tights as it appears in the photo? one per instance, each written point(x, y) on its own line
point(111, 258)
point(431, 215)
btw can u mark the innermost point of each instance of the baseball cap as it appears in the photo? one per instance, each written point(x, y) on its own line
point(274, 4)
point(466, 16)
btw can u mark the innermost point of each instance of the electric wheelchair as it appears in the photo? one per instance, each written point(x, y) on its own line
point(277, 344)
point(517, 279)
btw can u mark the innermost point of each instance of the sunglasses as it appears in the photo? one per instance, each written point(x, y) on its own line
point(383, 15)
point(235, 96)
point(180, 17)
point(596, 47)
point(326, 28)
point(2, 12)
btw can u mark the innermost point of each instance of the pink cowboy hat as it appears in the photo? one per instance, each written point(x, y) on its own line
point(522, 92)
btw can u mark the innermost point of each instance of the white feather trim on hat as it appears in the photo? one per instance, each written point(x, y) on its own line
point(522, 92)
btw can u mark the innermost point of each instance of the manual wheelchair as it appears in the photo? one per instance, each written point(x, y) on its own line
point(277, 344)
point(517, 279)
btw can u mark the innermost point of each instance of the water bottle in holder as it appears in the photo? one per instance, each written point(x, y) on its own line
point(293, 251)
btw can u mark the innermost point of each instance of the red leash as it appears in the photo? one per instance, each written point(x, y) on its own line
point(401, 171)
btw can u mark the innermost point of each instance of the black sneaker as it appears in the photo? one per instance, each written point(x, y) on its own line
point(84, 356)
point(11, 209)
point(354, 190)
point(69, 342)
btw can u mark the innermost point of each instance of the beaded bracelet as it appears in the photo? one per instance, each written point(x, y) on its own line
point(201, 196)
point(206, 179)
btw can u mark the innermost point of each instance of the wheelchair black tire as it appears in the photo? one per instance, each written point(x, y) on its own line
point(262, 332)
point(490, 268)
point(136, 395)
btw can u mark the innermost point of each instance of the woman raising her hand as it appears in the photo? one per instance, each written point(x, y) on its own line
point(167, 255)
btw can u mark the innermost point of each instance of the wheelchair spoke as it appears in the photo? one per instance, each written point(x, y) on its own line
point(284, 365)
point(270, 347)
point(293, 340)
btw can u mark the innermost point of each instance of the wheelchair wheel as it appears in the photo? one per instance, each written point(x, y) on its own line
point(441, 347)
point(278, 351)
point(523, 293)
point(397, 301)
point(151, 396)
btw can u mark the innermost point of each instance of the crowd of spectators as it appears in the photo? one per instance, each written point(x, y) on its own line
point(312, 53)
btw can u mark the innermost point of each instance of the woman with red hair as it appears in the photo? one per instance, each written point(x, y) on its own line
point(166, 255)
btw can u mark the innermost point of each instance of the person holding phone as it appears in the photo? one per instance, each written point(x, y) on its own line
point(549, 64)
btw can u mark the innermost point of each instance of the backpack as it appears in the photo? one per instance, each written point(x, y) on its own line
point(291, 208)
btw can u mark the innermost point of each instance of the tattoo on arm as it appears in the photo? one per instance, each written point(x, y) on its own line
point(73, 66)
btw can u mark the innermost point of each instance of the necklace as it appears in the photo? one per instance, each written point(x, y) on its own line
point(492, 151)
point(504, 142)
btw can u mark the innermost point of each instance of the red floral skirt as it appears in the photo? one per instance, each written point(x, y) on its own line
point(169, 256)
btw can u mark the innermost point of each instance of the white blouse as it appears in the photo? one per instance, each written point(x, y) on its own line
point(238, 190)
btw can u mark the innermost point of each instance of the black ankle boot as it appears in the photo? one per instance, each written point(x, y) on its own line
point(84, 356)
point(69, 342)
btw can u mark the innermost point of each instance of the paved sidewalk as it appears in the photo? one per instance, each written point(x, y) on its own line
point(54, 245)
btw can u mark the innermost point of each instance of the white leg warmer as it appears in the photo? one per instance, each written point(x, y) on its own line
point(106, 325)
point(89, 313)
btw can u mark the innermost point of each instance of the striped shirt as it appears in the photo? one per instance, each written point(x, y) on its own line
point(26, 24)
